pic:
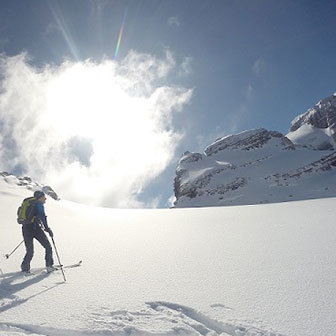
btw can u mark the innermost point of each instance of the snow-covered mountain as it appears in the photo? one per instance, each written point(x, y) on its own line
point(260, 166)
point(262, 270)
point(317, 127)
point(27, 183)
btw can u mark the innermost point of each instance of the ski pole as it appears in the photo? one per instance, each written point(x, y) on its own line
point(8, 255)
point(59, 261)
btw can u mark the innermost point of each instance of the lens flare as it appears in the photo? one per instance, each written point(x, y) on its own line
point(120, 35)
point(63, 28)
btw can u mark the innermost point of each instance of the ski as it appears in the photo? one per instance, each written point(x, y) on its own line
point(39, 270)
point(58, 267)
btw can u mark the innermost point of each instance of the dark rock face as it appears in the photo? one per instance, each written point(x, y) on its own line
point(326, 163)
point(197, 186)
point(49, 191)
point(322, 115)
point(188, 157)
point(326, 145)
point(178, 191)
point(237, 183)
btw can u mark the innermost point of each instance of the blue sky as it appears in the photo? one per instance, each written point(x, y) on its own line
point(249, 64)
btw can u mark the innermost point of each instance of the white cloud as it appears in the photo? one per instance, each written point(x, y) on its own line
point(98, 6)
point(174, 21)
point(186, 66)
point(249, 92)
point(51, 28)
point(171, 201)
point(258, 67)
point(96, 132)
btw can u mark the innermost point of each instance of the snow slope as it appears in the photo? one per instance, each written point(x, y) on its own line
point(241, 270)
point(255, 166)
point(317, 126)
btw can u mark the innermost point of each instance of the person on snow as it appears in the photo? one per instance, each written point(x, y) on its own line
point(34, 230)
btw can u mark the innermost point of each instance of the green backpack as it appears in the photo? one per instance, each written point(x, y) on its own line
point(27, 211)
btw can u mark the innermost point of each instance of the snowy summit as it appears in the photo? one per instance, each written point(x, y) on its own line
point(261, 166)
point(317, 127)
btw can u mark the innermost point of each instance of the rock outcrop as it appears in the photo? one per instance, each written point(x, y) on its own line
point(28, 183)
point(248, 140)
point(317, 127)
point(261, 166)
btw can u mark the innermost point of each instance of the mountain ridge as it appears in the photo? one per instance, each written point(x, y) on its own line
point(260, 166)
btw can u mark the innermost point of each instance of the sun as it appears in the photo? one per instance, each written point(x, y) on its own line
point(92, 101)
point(89, 100)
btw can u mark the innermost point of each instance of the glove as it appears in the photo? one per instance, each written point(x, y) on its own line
point(51, 234)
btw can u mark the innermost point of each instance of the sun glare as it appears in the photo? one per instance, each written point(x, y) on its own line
point(94, 130)
point(93, 101)
point(88, 101)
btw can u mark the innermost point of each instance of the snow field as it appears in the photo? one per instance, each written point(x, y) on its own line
point(261, 270)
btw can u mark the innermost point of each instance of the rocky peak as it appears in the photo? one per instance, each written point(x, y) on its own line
point(249, 140)
point(321, 117)
point(188, 157)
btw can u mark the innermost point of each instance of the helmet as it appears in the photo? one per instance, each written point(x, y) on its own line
point(38, 194)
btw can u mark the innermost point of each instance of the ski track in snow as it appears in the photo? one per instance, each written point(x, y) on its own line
point(156, 318)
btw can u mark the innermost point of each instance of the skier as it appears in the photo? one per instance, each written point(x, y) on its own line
point(34, 230)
